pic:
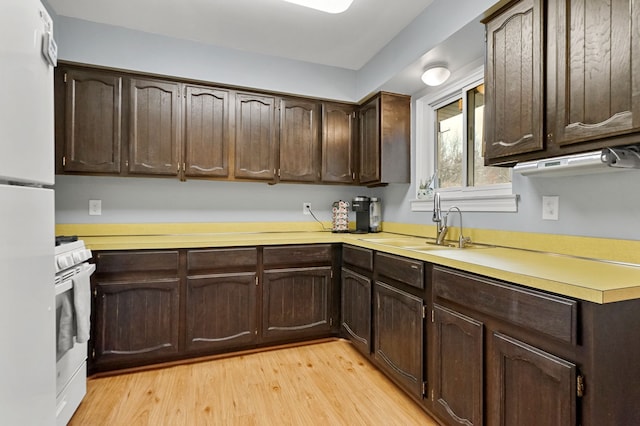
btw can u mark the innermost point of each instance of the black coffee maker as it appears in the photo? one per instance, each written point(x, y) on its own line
point(360, 205)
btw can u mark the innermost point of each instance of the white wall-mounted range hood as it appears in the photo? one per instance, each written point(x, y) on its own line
point(606, 160)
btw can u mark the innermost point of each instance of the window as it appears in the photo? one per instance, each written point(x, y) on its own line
point(459, 160)
point(449, 145)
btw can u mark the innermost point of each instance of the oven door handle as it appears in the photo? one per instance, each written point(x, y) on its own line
point(64, 286)
point(91, 267)
point(68, 284)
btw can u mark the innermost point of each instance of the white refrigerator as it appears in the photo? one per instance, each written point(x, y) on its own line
point(27, 299)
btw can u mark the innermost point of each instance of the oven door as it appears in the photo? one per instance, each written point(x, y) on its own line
point(71, 365)
point(68, 359)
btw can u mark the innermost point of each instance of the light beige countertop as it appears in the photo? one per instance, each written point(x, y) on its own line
point(599, 281)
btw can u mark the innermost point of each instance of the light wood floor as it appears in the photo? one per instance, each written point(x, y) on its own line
point(322, 384)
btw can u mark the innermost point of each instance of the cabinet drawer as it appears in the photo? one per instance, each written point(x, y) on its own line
point(548, 314)
point(244, 259)
point(134, 261)
point(283, 256)
point(356, 256)
point(401, 269)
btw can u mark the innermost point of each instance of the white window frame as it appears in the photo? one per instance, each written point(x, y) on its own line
point(489, 198)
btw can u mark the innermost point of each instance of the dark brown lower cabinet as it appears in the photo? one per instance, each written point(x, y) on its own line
point(221, 311)
point(398, 343)
point(295, 303)
point(153, 306)
point(135, 316)
point(530, 387)
point(221, 299)
point(356, 309)
point(500, 353)
point(136, 322)
point(457, 366)
point(497, 353)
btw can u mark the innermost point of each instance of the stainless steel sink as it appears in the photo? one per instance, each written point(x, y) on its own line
point(396, 242)
point(419, 244)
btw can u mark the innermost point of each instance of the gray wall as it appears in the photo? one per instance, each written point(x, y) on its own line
point(135, 200)
point(602, 205)
point(605, 205)
point(106, 45)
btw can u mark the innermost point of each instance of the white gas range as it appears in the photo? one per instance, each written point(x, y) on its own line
point(73, 309)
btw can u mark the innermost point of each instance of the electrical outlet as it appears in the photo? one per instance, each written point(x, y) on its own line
point(95, 207)
point(306, 208)
point(550, 207)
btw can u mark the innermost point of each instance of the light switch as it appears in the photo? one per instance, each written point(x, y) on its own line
point(95, 207)
point(550, 207)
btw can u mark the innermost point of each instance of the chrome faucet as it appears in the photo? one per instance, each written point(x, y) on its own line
point(462, 240)
point(439, 220)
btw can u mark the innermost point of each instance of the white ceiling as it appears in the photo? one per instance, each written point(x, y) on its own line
point(271, 27)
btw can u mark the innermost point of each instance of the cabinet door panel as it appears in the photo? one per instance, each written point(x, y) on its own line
point(296, 303)
point(369, 146)
point(456, 373)
point(136, 321)
point(337, 143)
point(154, 127)
point(544, 313)
point(228, 259)
point(149, 263)
point(299, 140)
point(516, 370)
point(356, 309)
point(399, 336)
point(358, 257)
point(551, 315)
point(297, 255)
point(256, 143)
point(93, 122)
point(514, 85)
point(597, 55)
point(401, 269)
point(206, 132)
point(221, 311)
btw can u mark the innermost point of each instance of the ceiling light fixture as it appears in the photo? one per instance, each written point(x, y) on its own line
point(435, 76)
point(329, 6)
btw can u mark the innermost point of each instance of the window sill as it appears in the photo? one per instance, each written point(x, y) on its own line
point(472, 200)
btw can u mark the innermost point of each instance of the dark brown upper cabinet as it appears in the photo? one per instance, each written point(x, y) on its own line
point(154, 127)
point(92, 121)
point(299, 153)
point(255, 137)
point(514, 86)
point(369, 146)
point(338, 147)
point(561, 78)
point(206, 132)
point(384, 140)
point(593, 78)
point(129, 124)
